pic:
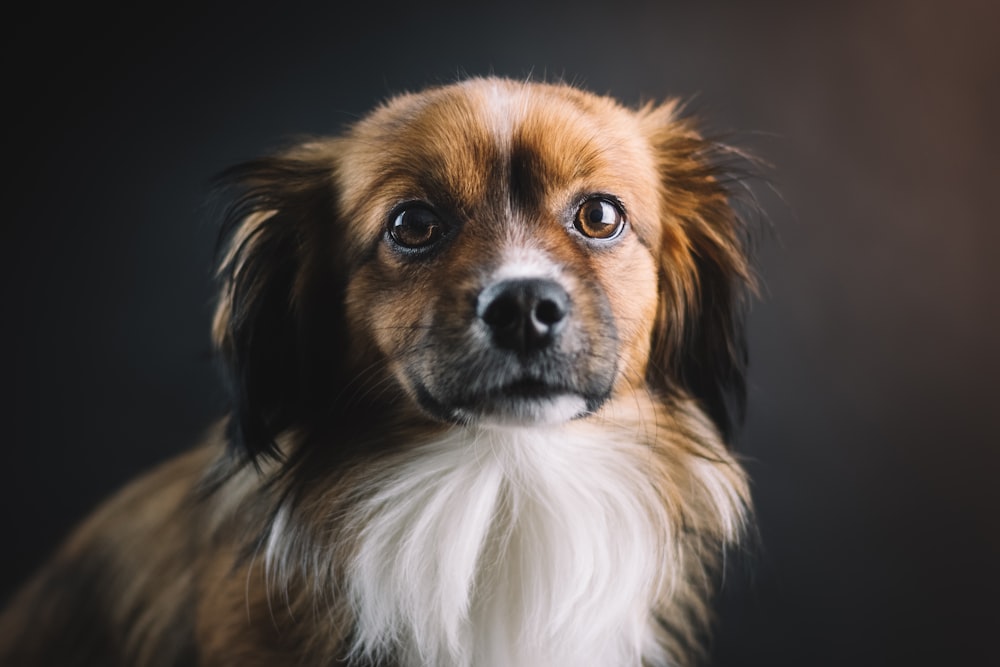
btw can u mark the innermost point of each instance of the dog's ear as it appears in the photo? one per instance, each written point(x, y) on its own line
point(278, 316)
point(706, 277)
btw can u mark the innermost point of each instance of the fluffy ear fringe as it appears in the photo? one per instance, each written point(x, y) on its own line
point(706, 273)
point(280, 212)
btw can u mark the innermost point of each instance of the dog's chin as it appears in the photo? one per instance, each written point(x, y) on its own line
point(520, 411)
point(520, 404)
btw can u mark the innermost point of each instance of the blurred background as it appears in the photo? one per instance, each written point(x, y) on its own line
point(872, 435)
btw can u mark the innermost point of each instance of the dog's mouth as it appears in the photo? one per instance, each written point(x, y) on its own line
point(529, 389)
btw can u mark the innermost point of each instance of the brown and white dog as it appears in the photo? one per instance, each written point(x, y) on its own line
point(485, 352)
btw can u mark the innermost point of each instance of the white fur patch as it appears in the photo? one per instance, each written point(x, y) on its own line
point(502, 110)
point(542, 546)
point(535, 547)
point(522, 261)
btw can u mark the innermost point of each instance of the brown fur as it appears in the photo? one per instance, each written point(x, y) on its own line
point(169, 571)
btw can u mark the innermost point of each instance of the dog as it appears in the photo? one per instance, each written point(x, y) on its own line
point(486, 357)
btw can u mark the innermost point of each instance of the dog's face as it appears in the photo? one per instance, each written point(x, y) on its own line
point(507, 237)
point(487, 252)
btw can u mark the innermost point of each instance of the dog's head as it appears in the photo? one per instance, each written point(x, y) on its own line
point(486, 252)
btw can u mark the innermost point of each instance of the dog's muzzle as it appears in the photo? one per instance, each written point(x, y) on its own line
point(527, 351)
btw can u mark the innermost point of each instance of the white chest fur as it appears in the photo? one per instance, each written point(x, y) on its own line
point(537, 547)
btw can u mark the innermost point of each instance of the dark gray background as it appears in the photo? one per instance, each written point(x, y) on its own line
point(872, 436)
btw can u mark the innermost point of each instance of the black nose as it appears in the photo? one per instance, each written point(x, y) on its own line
point(524, 315)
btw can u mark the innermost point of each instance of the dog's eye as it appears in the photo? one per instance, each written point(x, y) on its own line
point(416, 228)
point(599, 219)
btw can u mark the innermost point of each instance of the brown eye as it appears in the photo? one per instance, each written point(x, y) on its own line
point(416, 228)
point(599, 219)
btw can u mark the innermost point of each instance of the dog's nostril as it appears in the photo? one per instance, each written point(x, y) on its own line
point(503, 312)
point(549, 312)
point(524, 315)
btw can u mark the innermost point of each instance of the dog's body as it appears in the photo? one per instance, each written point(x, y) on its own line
point(483, 350)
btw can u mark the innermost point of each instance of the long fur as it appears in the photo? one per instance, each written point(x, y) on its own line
point(335, 518)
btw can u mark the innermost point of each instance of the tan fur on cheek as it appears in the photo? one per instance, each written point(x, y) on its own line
point(388, 311)
point(631, 285)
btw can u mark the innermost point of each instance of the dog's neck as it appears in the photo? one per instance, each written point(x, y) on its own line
point(535, 547)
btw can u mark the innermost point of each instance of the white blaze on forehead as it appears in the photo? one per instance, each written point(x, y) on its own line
point(503, 110)
point(526, 262)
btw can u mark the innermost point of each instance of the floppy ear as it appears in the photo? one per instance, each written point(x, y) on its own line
point(277, 343)
point(699, 341)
